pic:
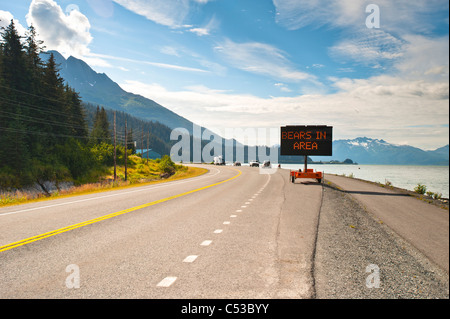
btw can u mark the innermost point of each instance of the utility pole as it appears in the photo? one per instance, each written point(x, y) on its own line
point(115, 156)
point(142, 141)
point(126, 149)
point(306, 164)
point(148, 137)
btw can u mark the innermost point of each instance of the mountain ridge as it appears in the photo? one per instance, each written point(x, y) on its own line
point(98, 88)
point(364, 150)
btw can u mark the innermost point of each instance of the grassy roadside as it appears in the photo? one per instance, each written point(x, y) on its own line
point(139, 173)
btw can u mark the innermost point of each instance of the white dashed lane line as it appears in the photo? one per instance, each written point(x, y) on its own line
point(190, 259)
point(167, 282)
point(206, 243)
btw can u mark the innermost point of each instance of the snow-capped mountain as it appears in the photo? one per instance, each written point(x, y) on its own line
point(365, 150)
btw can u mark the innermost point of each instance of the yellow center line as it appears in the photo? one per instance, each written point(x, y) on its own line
point(98, 219)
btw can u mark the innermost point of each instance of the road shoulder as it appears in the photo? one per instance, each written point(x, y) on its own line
point(354, 248)
point(423, 225)
point(297, 233)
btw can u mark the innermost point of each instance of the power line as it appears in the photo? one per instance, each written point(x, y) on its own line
point(33, 106)
point(24, 131)
point(14, 130)
point(39, 120)
point(30, 94)
point(121, 136)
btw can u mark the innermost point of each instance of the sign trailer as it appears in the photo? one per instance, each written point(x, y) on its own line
point(306, 141)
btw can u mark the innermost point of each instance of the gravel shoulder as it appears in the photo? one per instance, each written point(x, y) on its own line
point(358, 257)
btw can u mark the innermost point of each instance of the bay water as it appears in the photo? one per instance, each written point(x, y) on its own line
point(435, 178)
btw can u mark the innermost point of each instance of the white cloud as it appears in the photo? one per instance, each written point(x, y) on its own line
point(5, 20)
point(261, 59)
point(206, 30)
point(166, 12)
point(199, 31)
point(384, 107)
point(67, 33)
point(183, 52)
point(296, 14)
point(400, 19)
point(170, 51)
point(104, 8)
point(395, 15)
point(425, 58)
point(369, 47)
point(94, 61)
point(155, 64)
point(282, 87)
point(214, 67)
point(171, 13)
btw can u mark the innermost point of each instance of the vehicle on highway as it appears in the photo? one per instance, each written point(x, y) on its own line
point(254, 163)
point(218, 160)
point(266, 164)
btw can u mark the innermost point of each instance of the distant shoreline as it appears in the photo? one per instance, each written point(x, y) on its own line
point(402, 176)
point(325, 163)
point(320, 163)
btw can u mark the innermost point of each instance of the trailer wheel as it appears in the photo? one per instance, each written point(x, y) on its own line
point(319, 180)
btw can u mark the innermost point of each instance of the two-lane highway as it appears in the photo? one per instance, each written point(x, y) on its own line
point(231, 233)
point(228, 233)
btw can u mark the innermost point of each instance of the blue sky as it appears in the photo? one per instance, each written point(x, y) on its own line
point(266, 63)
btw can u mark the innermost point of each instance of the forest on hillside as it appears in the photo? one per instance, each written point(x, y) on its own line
point(47, 134)
point(138, 130)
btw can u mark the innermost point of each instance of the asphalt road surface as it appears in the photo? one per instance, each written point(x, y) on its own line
point(231, 233)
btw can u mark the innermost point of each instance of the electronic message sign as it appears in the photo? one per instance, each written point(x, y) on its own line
point(306, 140)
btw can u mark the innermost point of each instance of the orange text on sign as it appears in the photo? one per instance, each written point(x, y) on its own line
point(305, 146)
point(303, 135)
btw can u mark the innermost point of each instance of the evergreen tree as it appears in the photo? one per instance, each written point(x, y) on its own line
point(130, 142)
point(43, 128)
point(100, 131)
point(14, 76)
point(76, 122)
point(14, 68)
point(54, 103)
point(33, 48)
point(104, 124)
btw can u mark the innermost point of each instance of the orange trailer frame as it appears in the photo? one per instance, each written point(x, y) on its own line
point(308, 174)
